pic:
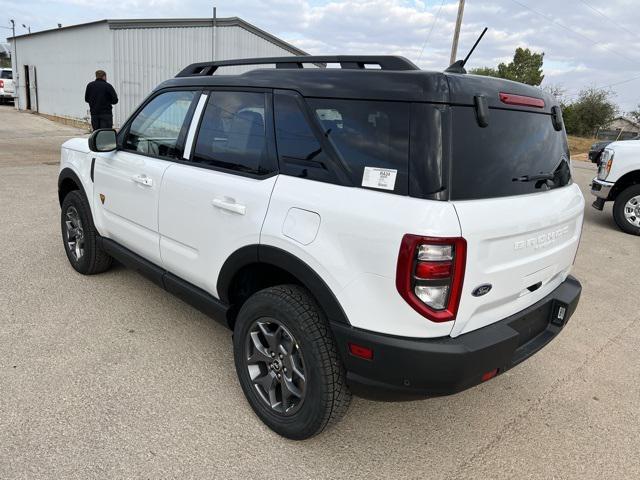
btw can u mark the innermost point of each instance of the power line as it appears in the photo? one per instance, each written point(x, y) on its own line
point(622, 27)
point(621, 82)
point(433, 24)
point(561, 25)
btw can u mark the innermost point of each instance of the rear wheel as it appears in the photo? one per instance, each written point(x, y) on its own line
point(287, 362)
point(80, 238)
point(626, 210)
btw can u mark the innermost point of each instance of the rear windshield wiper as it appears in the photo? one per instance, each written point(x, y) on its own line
point(535, 178)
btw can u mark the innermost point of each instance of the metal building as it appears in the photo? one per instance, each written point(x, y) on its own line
point(52, 67)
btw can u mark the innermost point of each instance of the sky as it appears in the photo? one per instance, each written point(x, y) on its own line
point(587, 43)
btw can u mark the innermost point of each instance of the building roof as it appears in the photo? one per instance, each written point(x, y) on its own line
point(115, 24)
point(626, 120)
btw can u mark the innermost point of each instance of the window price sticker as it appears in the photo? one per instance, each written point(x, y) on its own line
point(383, 178)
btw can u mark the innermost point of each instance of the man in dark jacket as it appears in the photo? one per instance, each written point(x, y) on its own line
point(100, 96)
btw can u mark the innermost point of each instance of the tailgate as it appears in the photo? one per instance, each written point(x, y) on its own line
point(523, 246)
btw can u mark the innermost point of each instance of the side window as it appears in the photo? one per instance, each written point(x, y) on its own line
point(300, 152)
point(370, 134)
point(156, 129)
point(233, 132)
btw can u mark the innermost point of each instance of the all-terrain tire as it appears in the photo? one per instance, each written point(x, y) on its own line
point(290, 310)
point(85, 254)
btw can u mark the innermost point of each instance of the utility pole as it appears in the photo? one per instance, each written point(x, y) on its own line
point(16, 72)
point(456, 34)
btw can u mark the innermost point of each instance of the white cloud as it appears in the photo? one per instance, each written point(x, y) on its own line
point(582, 47)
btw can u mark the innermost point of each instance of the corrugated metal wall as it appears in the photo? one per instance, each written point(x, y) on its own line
point(65, 61)
point(145, 57)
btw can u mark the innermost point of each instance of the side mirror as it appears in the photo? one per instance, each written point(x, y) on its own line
point(103, 140)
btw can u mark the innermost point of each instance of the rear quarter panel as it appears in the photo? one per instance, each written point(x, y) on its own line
point(355, 250)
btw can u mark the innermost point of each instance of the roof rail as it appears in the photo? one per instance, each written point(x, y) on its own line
point(352, 62)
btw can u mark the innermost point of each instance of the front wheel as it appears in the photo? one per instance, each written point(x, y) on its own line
point(626, 210)
point(287, 362)
point(80, 237)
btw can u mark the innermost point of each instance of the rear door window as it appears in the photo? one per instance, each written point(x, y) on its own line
point(505, 158)
point(6, 74)
point(371, 138)
point(233, 132)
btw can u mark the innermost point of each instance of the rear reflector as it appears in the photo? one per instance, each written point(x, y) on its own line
point(429, 270)
point(489, 375)
point(513, 99)
point(360, 351)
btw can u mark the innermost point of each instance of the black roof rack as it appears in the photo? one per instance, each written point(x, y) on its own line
point(351, 62)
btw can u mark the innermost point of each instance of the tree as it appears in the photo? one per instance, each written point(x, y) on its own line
point(484, 71)
point(592, 110)
point(558, 92)
point(526, 67)
point(635, 114)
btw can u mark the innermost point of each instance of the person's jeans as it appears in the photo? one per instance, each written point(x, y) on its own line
point(101, 120)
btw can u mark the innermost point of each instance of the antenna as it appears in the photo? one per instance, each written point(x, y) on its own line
point(458, 66)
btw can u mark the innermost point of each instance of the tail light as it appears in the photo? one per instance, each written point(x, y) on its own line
point(430, 273)
point(1, 83)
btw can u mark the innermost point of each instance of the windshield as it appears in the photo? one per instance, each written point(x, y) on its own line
point(517, 153)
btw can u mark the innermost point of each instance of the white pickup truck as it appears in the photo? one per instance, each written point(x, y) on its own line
point(618, 180)
point(6, 85)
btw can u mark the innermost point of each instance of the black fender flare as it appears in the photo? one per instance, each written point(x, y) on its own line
point(68, 174)
point(291, 264)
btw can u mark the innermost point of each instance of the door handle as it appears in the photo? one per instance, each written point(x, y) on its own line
point(229, 205)
point(143, 180)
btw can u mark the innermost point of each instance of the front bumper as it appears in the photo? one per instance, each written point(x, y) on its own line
point(600, 188)
point(408, 367)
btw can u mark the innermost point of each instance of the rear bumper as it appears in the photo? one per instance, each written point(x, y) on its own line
point(408, 368)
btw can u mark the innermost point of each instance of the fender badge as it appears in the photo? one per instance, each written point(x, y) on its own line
point(481, 290)
point(102, 198)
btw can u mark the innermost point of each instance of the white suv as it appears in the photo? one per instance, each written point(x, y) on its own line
point(388, 232)
point(6, 85)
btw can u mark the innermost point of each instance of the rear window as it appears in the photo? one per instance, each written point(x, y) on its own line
point(6, 74)
point(368, 134)
point(508, 157)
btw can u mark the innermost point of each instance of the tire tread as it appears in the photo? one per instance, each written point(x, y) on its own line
point(98, 260)
point(312, 321)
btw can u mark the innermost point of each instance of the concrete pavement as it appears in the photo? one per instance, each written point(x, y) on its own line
point(110, 377)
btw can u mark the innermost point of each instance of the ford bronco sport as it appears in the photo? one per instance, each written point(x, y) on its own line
point(385, 231)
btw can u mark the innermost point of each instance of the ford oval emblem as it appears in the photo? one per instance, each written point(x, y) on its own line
point(481, 290)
